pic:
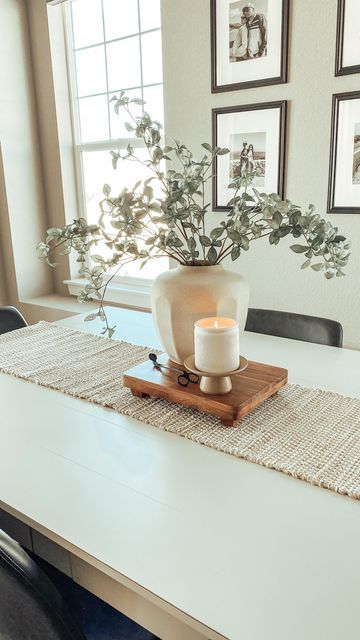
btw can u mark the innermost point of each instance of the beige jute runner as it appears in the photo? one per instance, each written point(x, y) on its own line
point(307, 433)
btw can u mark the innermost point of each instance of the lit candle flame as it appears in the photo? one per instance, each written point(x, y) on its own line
point(216, 324)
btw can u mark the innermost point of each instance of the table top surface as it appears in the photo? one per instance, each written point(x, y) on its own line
point(245, 550)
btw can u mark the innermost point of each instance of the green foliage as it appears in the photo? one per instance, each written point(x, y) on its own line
point(165, 215)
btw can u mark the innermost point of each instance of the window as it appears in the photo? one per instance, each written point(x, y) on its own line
point(112, 45)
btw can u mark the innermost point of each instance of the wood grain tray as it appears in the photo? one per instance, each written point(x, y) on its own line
point(250, 388)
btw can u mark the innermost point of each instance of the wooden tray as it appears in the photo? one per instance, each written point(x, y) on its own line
point(250, 388)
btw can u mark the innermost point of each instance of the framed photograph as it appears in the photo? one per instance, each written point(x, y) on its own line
point(249, 43)
point(256, 137)
point(348, 38)
point(344, 178)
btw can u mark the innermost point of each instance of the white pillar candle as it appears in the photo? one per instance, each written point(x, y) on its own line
point(217, 345)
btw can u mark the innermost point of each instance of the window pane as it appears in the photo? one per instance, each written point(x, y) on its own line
point(151, 57)
point(124, 64)
point(152, 269)
point(153, 97)
point(94, 118)
point(121, 18)
point(91, 71)
point(150, 14)
point(98, 170)
point(117, 122)
point(87, 22)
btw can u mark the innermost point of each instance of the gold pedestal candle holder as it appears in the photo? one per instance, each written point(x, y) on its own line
point(213, 383)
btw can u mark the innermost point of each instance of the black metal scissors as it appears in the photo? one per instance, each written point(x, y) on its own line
point(184, 377)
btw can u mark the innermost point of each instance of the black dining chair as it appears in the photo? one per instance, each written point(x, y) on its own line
point(30, 606)
point(33, 608)
point(295, 326)
point(11, 319)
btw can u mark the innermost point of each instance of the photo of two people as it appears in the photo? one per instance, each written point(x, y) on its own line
point(247, 30)
point(248, 156)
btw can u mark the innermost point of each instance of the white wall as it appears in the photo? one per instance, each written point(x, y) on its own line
point(22, 212)
point(273, 272)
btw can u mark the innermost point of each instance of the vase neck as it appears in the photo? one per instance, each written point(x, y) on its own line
point(213, 267)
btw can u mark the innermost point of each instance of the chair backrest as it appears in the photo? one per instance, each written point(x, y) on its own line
point(295, 326)
point(11, 319)
point(30, 606)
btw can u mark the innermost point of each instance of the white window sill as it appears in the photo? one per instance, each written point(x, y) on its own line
point(129, 292)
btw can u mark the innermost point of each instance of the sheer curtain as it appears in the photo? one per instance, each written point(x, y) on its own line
point(4, 238)
point(4, 298)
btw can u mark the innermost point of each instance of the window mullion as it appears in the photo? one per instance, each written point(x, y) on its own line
point(130, 35)
point(110, 145)
point(141, 56)
point(71, 64)
point(102, 93)
point(106, 68)
point(75, 118)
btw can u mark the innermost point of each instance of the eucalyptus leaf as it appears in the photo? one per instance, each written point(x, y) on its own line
point(216, 233)
point(234, 235)
point(212, 255)
point(298, 248)
point(157, 154)
point(244, 242)
point(205, 241)
point(54, 233)
point(274, 238)
point(107, 190)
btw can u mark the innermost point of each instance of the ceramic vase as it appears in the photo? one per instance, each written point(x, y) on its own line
point(186, 294)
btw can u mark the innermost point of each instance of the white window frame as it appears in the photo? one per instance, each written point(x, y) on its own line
point(125, 290)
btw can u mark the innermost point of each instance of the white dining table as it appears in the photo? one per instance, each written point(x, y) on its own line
point(190, 542)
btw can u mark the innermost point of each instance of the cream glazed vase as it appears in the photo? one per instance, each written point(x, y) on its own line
point(183, 295)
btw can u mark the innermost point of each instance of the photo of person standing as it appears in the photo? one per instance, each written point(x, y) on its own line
point(257, 31)
point(240, 46)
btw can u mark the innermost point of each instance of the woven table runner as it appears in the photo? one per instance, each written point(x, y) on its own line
point(310, 434)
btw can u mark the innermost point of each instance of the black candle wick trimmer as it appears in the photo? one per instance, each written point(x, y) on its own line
point(184, 377)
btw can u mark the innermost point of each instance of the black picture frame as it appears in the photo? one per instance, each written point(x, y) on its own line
point(340, 69)
point(281, 105)
point(336, 100)
point(281, 79)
